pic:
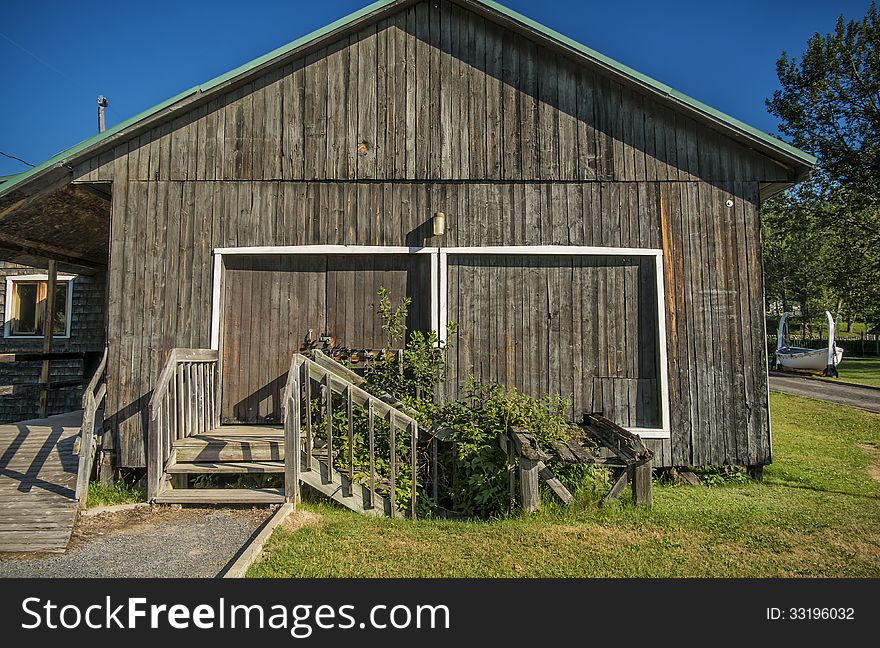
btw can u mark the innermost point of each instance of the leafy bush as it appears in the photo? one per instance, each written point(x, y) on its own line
point(481, 484)
point(476, 470)
point(722, 475)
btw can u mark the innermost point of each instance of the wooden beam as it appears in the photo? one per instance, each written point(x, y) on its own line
point(55, 178)
point(48, 251)
point(48, 325)
point(40, 356)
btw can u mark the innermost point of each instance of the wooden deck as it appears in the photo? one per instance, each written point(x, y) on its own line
point(37, 483)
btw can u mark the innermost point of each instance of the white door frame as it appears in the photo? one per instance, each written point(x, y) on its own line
point(439, 278)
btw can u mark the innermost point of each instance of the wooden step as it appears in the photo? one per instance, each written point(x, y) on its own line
point(222, 496)
point(338, 490)
point(235, 443)
point(225, 467)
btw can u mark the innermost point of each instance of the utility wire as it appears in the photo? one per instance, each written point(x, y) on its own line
point(40, 60)
point(12, 157)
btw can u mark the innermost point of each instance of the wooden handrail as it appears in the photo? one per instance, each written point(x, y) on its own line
point(291, 409)
point(184, 403)
point(93, 383)
point(92, 400)
point(304, 371)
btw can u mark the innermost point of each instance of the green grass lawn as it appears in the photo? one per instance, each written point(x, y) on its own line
point(816, 514)
point(864, 371)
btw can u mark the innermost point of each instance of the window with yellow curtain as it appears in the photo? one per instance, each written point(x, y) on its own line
point(29, 307)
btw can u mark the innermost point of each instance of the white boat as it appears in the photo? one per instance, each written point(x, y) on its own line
point(790, 357)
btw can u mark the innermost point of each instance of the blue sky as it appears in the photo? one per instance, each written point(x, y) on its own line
point(57, 56)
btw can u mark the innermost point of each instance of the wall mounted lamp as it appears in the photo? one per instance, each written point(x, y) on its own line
point(439, 222)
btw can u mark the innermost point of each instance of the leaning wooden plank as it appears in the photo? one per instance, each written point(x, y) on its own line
point(344, 373)
point(340, 370)
point(618, 487)
point(555, 485)
point(690, 477)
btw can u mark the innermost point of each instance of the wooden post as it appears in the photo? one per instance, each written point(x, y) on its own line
point(48, 326)
point(528, 484)
point(511, 473)
point(642, 484)
point(328, 403)
point(292, 447)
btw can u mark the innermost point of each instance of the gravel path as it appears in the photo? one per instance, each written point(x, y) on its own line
point(144, 543)
point(852, 395)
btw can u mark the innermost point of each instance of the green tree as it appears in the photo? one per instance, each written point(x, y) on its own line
point(822, 240)
point(794, 269)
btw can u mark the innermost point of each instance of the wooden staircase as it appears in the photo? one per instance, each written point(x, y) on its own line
point(186, 439)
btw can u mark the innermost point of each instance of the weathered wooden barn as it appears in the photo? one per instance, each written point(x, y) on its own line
point(602, 231)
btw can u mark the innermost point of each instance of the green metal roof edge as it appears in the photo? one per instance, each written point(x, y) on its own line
point(775, 142)
point(59, 158)
point(11, 177)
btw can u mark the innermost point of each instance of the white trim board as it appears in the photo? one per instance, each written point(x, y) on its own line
point(11, 279)
point(326, 249)
point(439, 276)
point(663, 432)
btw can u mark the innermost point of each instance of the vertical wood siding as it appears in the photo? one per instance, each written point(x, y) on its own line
point(435, 92)
point(437, 109)
point(581, 327)
point(275, 306)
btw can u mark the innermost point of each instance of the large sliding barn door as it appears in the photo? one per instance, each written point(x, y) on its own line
point(274, 306)
point(584, 327)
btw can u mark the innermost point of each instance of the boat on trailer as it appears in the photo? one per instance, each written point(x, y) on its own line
point(790, 357)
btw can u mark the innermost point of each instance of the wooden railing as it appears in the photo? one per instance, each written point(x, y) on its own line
point(291, 409)
point(185, 402)
point(93, 397)
point(90, 360)
point(309, 403)
point(434, 435)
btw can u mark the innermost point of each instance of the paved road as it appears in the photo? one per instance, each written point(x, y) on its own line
point(853, 396)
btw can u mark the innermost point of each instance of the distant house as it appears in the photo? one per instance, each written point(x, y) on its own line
point(602, 231)
point(78, 327)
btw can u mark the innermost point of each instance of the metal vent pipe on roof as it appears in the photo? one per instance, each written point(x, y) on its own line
point(102, 103)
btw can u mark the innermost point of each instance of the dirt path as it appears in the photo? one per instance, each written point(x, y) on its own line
point(145, 543)
point(851, 395)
